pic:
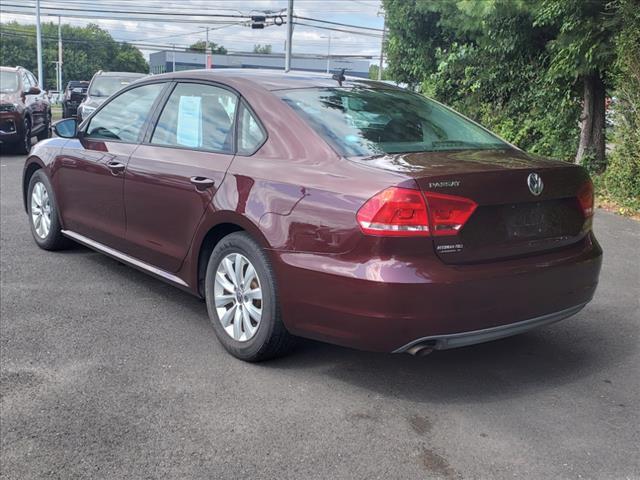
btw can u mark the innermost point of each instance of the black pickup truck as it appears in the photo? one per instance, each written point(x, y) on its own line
point(74, 94)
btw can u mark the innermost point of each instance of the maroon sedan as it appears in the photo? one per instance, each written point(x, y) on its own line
point(343, 210)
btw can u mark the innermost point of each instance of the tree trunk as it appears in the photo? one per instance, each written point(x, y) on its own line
point(592, 141)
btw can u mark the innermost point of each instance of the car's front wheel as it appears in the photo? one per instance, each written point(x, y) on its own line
point(43, 214)
point(24, 144)
point(240, 291)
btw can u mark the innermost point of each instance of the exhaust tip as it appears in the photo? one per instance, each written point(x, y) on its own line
point(420, 350)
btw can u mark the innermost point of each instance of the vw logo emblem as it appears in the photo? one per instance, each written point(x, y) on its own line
point(534, 181)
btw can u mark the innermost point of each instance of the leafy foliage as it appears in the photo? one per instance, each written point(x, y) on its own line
point(200, 47)
point(265, 49)
point(622, 178)
point(85, 51)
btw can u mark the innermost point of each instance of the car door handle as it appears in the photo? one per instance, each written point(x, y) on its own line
point(116, 167)
point(202, 183)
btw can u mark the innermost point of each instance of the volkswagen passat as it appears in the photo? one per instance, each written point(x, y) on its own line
point(332, 208)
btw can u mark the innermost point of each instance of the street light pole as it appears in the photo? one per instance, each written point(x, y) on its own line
point(287, 56)
point(59, 76)
point(39, 45)
point(329, 53)
point(384, 32)
point(206, 51)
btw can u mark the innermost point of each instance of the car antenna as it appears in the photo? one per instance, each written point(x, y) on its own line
point(339, 76)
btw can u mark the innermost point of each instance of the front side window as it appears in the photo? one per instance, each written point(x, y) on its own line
point(250, 134)
point(197, 116)
point(364, 121)
point(123, 118)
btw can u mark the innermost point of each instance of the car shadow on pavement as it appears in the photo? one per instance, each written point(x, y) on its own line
point(542, 359)
point(511, 367)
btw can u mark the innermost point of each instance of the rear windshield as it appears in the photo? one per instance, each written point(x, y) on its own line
point(8, 81)
point(363, 121)
point(105, 86)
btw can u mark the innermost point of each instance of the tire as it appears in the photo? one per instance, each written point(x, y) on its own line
point(269, 338)
point(65, 113)
point(46, 132)
point(50, 238)
point(24, 144)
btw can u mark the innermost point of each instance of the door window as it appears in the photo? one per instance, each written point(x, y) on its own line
point(197, 116)
point(123, 117)
point(250, 133)
point(32, 78)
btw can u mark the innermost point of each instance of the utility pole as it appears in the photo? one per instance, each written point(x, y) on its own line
point(329, 52)
point(39, 45)
point(287, 56)
point(59, 77)
point(384, 34)
point(173, 56)
point(206, 51)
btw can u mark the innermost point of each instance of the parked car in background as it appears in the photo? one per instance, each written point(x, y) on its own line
point(74, 95)
point(24, 109)
point(101, 87)
point(343, 210)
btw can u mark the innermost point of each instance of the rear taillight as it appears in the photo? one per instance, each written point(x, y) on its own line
point(585, 197)
point(448, 213)
point(403, 212)
point(397, 212)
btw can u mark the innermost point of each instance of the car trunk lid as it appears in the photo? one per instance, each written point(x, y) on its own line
point(509, 220)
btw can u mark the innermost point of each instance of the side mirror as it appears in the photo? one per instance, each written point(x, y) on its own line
point(67, 128)
point(33, 91)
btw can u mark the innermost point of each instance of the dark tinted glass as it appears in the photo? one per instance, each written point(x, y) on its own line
point(250, 134)
point(124, 116)
point(197, 116)
point(361, 121)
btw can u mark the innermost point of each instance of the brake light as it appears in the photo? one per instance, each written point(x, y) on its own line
point(404, 212)
point(448, 213)
point(585, 197)
point(395, 212)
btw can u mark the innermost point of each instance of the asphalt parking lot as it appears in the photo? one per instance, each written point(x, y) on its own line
point(107, 373)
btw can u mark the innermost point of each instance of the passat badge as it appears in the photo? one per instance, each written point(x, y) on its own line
point(535, 184)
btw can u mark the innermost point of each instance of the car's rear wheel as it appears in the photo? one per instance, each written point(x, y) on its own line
point(241, 297)
point(43, 214)
point(24, 144)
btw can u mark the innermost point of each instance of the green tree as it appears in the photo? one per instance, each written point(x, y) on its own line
point(265, 49)
point(583, 52)
point(85, 51)
point(200, 46)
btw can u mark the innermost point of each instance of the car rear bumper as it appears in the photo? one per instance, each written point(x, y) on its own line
point(464, 339)
point(390, 305)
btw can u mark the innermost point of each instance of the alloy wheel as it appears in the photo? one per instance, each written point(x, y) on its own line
point(238, 297)
point(40, 210)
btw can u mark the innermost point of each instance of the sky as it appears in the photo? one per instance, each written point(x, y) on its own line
point(163, 31)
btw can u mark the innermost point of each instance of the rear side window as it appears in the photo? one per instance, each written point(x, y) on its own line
point(123, 117)
point(197, 116)
point(364, 121)
point(250, 133)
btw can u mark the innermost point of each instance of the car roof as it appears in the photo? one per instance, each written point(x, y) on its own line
point(121, 74)
point(10, 69)
point(272, 79)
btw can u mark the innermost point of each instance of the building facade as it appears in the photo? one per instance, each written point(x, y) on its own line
point(168, 61)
